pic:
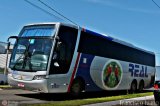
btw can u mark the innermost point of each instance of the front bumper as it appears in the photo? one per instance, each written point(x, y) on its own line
point(34, 85)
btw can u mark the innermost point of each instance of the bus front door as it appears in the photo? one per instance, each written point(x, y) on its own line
point(59, 77)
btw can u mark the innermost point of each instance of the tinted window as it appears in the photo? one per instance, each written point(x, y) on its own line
point(64, 50)
point(101, 46)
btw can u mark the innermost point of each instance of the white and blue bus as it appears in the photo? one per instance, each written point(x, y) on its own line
point(58, 57)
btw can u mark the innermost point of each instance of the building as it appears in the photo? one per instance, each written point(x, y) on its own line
point(3, 54)
point(2, 48)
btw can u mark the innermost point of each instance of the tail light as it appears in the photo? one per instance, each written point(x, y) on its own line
point(156, 86)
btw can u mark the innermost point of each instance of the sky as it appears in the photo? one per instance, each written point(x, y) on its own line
point(133, 21)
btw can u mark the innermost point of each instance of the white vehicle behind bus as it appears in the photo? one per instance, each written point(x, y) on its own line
point(3, 79)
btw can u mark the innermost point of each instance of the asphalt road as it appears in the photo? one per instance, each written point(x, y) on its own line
point(139, 101)
point(16, 97)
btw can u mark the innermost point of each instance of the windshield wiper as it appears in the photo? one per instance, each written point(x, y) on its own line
point(17, 62)
point(27, 60)
point(25, 57)
point(23, 60)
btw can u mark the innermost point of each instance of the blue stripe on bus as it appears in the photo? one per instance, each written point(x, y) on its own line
point(97, 34)
point(84, 72)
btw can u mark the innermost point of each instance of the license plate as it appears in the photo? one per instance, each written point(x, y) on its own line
point(20, 85)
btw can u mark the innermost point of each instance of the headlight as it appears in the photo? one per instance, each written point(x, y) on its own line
point(39, 77)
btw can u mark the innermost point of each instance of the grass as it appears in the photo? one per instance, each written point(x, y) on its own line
point(93, 100)
point(5, 86)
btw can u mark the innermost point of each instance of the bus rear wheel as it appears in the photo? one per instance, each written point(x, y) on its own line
point(133, 88)
point(77, 87)
point(141, 86)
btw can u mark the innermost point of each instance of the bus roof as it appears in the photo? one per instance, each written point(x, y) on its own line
point(94, 33)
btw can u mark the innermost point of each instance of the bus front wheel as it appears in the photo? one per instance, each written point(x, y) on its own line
point(76, 87)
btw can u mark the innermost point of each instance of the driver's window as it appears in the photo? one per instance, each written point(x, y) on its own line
point(63, 51)
point(59, 51)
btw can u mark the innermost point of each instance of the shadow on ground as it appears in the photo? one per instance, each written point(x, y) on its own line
point(66, 96)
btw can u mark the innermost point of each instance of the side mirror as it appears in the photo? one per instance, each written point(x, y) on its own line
point(8, 45)
point(57, 38)
point(8, 40)
point(12, 37)
point(59, 45)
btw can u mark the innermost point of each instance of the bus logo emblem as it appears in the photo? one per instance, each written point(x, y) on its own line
point(112, 74)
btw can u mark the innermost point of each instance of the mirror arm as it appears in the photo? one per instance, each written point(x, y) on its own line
point(57, 38)
point(12, 37)
point(8, 46)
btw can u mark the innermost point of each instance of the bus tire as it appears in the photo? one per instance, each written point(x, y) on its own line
point(133, 88)
point(141, 86)
point(77, 87)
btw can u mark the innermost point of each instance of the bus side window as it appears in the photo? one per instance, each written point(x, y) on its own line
point(59, 57)
point(64, 50)
point(61, 46)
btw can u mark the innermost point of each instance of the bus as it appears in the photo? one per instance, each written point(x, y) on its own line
point(59, 57)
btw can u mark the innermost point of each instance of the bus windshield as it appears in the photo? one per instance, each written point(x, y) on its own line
point(31, 54)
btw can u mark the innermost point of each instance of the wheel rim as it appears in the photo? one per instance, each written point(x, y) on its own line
point(76, 88)
point(133, 87)
point(141, 86)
